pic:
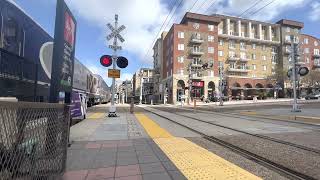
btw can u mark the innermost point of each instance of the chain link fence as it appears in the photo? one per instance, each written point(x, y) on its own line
point(33, 140)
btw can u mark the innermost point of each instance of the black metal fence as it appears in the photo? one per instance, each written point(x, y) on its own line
point(33, 140)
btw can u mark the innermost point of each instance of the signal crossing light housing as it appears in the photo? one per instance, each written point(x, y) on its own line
point(122, 62)
point(106, 60)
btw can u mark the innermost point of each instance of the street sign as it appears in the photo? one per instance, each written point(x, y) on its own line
point(113, 73)
point(115, 47)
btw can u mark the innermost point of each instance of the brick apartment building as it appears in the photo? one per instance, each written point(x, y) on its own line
point(249, 52)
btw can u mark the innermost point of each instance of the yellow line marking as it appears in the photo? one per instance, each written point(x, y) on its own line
point(153, 129)
point(96, 115)
point(192, 160)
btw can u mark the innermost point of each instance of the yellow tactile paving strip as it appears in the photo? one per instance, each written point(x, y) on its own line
point(96, 116)
point(192, 160)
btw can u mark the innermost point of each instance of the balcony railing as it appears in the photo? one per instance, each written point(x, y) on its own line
point(316, 55)
point(238, 69)
point(196, 52)
point(233, 58)
point(196, 76)
point(196, 39)
point(244, 59)
point(317, 63)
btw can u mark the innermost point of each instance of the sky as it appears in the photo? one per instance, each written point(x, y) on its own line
point(144, 19)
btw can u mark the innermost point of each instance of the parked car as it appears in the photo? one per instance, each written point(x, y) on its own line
point(313, 96)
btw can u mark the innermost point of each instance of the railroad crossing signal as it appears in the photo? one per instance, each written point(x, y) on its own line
point(115, 33)
point(115, 47)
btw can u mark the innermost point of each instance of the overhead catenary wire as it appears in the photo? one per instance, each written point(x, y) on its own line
point(248, 9)
point(253, 13)
point(213, 2)
point(173, 9)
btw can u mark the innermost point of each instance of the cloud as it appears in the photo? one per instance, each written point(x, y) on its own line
point(143, 18)
point(268, 11)
point(314, 15)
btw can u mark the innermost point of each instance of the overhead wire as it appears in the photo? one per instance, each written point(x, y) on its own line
point(248, 9)
point(174, 3)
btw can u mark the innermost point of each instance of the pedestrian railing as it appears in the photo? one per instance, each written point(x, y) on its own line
point(33, 140)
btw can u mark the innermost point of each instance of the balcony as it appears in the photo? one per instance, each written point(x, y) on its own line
point(316, 55)
point(196, 52)
point(244, 59)
point(238, 69)
point(287, 41)
point(233, 58)
point(287, 51)
point(196, 76)
point(196, 64)
point(196, 39)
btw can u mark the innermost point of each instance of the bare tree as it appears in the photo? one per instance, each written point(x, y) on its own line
point(312, 79)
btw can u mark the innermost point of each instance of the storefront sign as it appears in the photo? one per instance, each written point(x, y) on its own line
point(63, 53)
point(198, 83)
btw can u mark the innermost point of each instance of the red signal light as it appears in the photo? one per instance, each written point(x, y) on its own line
point(106, 60)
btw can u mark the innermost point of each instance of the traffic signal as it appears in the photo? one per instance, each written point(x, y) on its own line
point(302, 71)
point(106, 60)
point(122, 62)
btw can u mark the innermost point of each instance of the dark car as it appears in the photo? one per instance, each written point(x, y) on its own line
point(313, 96)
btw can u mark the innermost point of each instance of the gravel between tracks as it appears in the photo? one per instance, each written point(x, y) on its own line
point(296, 159)
point(238, 160)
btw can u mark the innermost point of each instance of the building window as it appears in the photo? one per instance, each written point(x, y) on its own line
point(288, 29)
point(288, 38)
point(211, 50)
point(243, 55)
point(254, 67)
point(210, 62)
point(306, 41)
point(274, 49)
point(242, 45)
point(211, 73)
point(274, 59)
point(316, 43)
point(220, 64)
point(180, 34)
point(220, 53)
point(243, 66)
point(253, 46)
point(210, 27)
point(231, 44)
point(196, 48)
point(180, 59)
point(211, 38)
point(316, 52)
point(306, 50)
point(181, 71)
point(180, 47)
point(232, 65)
point(253, 75)
point(307, 60)
point(264, 57)
point(264, 67)
point(196, 61)
point(264, 47)
point(253, 56)
point(221, 42)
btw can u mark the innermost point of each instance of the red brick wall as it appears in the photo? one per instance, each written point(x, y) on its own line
point(311, 47)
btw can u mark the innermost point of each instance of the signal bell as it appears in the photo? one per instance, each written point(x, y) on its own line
point(106, 60)
point(122, 62)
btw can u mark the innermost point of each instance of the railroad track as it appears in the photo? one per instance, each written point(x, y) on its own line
point(312, 127)
point(290, 173)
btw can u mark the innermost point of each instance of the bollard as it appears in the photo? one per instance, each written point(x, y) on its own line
point(194, 104)
point(132, 106)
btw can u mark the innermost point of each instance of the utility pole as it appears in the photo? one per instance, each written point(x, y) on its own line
point(221, 84)
point(141, 83)
point(294, 75)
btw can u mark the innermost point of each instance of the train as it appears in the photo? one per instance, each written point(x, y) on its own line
point(26, 59)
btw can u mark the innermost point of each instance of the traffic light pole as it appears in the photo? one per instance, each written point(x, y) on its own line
point(294, 77)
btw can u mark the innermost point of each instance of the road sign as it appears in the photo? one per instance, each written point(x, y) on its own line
point(113, 73)
point(115, 47)
point(115, 32)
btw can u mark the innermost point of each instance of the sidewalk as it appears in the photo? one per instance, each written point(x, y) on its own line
point(115, 148)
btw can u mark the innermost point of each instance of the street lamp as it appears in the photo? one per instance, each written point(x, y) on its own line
point(141, 79)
